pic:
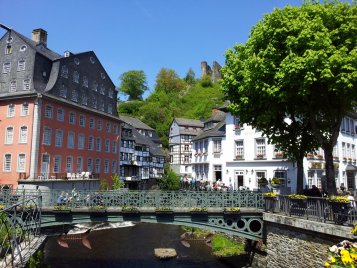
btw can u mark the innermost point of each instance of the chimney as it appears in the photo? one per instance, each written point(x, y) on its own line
point(39, 36)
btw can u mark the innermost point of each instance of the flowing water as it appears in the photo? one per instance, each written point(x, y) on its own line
point(132, 245)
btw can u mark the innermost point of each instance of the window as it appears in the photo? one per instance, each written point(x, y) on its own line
point(82, 120)
point(261, 174)
point(85, 81)
point(76, 61)
point(70, 140)
point(81, 139)
point(6, 67)
point(69, 164)
point(75, 77)
point(97, 165)
point(95, 86)
point(281, 174)
point(13, 86)
point(23, 134)
point(21, 160)
point(72, 118)
point(114, 147)
point(353, 151)
point(21, 64)
point(9, 138)
point(98, 144)
point(92, 123)
point(260, 148)
point(47, 135)
point(94, 102)
point(60, 114)
point(74, 95)
point(7, 162)
point(8, 49)
point(239, 150)
point(111, 93)
point(11, 110)
point(84, 99)
point(24, 109)
point(114, 166)
point(106, 166)
point(57, 164)
point(217, 146)
point(23, 48)
point(344, 149)
point(115, 129)
point(110, 109)
point(63, 91)
point(79, 166)
point(59, 138)
point(27, 84)
point(48, 111)
point(90, 164)
point(101, 105)
point(102, 89)
point(99, 125)
point(91, 143)
point(217, 172)
point(107, 127)
point(64, 71)
point(107, 146)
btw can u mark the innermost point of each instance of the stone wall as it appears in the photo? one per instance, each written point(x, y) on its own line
point(292, 242)
point(214, 72)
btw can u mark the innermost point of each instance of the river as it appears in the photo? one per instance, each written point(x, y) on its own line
point(132, 245)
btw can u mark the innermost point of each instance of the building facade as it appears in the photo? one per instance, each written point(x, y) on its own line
point(182, 131)
point(59, 117)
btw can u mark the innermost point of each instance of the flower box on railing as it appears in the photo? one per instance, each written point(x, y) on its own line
point(229, 211)
point(61, 209)
point(260, 156)
point(163, 210)
point(198, 211)
point(98, 209)
point(129, 210)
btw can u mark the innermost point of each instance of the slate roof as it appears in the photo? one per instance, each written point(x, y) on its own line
point(189, 122)
point(141, 139)
point(136, 123)
point(218, 131)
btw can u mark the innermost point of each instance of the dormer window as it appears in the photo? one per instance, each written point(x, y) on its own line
point(64, 71)
point(110, 93)
point(94, 102)
point(63, 92)
point(74, 95)
point(110, 108)
point(95, 86)
point(84, 99)
point(23, 48)
point(27, 84)
point(102, 89)
point(13, 86)
point(8, 49)
point(76, 61)
point(101, 105)
point(92, 60)
point(102, 75)
point(85, 81)
point(75, 77)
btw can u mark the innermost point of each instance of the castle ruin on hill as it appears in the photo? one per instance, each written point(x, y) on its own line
point(214, 72)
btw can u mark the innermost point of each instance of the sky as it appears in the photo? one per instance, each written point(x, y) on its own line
point(141, 34)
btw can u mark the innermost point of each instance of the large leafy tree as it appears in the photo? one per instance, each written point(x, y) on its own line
point(298, 63)
point(134, 84)
point(168, 81)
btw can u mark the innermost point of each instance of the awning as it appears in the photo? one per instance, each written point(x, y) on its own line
point(350, 167)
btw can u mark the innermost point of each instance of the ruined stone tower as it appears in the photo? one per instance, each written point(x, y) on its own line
point(206, 70)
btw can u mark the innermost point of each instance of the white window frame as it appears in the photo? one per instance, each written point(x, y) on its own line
point(60, 114)
point(21, 162)
point(108, 127)
point(107, 146)
point(59, 138)
point(69, 164)
point(57, 161)
point(81, 141)
point(48, 111)
point(72, 118)
point(74, 96)
point(114, 166)
point(260, 147)
point(9, 135)
point(21, 65)
point(70, 139)
point(11, 110)
point(106, 166)
point(260, 172)
point(239, 149)
point(63, 91)
point(26, 84)
point(13, 86)
point(92, 123)
point(6, 67)
point(217, 146)
point(91, 143)
point(97, 165)
point(82, 120)
point(7, 163)
point(23, 133)
point(90, 164)
point(98, 144)
point(25, 109)
point(99, 125)
point(114, 147)
point(47, 136)
point(79, 164)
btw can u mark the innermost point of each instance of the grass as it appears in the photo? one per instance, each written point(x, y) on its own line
point(223, 246)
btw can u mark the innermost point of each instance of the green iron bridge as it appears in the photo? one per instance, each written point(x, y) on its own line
point(236, 212)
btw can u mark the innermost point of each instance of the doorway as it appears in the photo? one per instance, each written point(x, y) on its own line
point(45, 167)
point(238, 179)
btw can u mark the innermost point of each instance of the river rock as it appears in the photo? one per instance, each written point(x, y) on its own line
point(165, 253)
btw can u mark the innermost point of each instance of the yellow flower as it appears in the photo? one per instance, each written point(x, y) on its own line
point(345, 257)
point(332, 259)
point(353, 256)
point(327, 264)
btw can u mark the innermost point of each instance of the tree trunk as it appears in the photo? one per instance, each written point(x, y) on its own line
point(300, 175)
point(330, 171)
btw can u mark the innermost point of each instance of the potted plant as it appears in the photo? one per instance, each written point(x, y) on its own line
point(231, 210)
point(98, 209)
point(339, 206)
point(163, 210)
point(129, 210)
point(279, 155)
point(262, 181)
point(238, 156)
point(298, 201)
point(198, 210)
point(259, 155)
point(61, 209)
point(270, 199)
point(275, 182)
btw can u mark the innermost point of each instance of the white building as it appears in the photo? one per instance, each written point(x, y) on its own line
point(239, 155)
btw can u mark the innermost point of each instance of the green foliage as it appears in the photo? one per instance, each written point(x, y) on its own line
point(133, 84)
point(223, 246)
point(168, 81)
point(190, 77)
point(37, 260)
point(130, 107)
point(169, 181)
point(116, 182)
point(103, 184)
point(299, 63)
point(206, 81)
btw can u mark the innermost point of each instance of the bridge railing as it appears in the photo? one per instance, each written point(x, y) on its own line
point(19, 229)
point(153, 199)
point(314, 208)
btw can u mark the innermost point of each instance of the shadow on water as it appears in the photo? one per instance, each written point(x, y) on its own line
point(133, 247)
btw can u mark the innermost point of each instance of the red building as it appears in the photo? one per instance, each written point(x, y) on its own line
point(58, 113)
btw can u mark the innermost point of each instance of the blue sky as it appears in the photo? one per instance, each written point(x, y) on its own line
point(141, 34)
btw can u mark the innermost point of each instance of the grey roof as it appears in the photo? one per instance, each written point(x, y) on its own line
point(188, 122)
point(217, 117)
point(141, 139)
point(39, 48)
point(134, 122)
point(218, 131)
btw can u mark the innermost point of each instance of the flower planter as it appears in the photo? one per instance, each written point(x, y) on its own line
point(340, 211)
point(163, 212)
point(231, 212)
point(270, 204)
point(130, 211)
point(62, 211)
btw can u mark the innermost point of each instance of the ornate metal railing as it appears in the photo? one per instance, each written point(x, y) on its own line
point(314, 208)
point(153, 199)
point(19, 228)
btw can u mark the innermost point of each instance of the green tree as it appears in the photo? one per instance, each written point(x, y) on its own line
point(134, 84)
point(116, 182)
point(300, 63)
point(190, 77)
point(206, 81)
point(167, 80)
point(169, 181)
